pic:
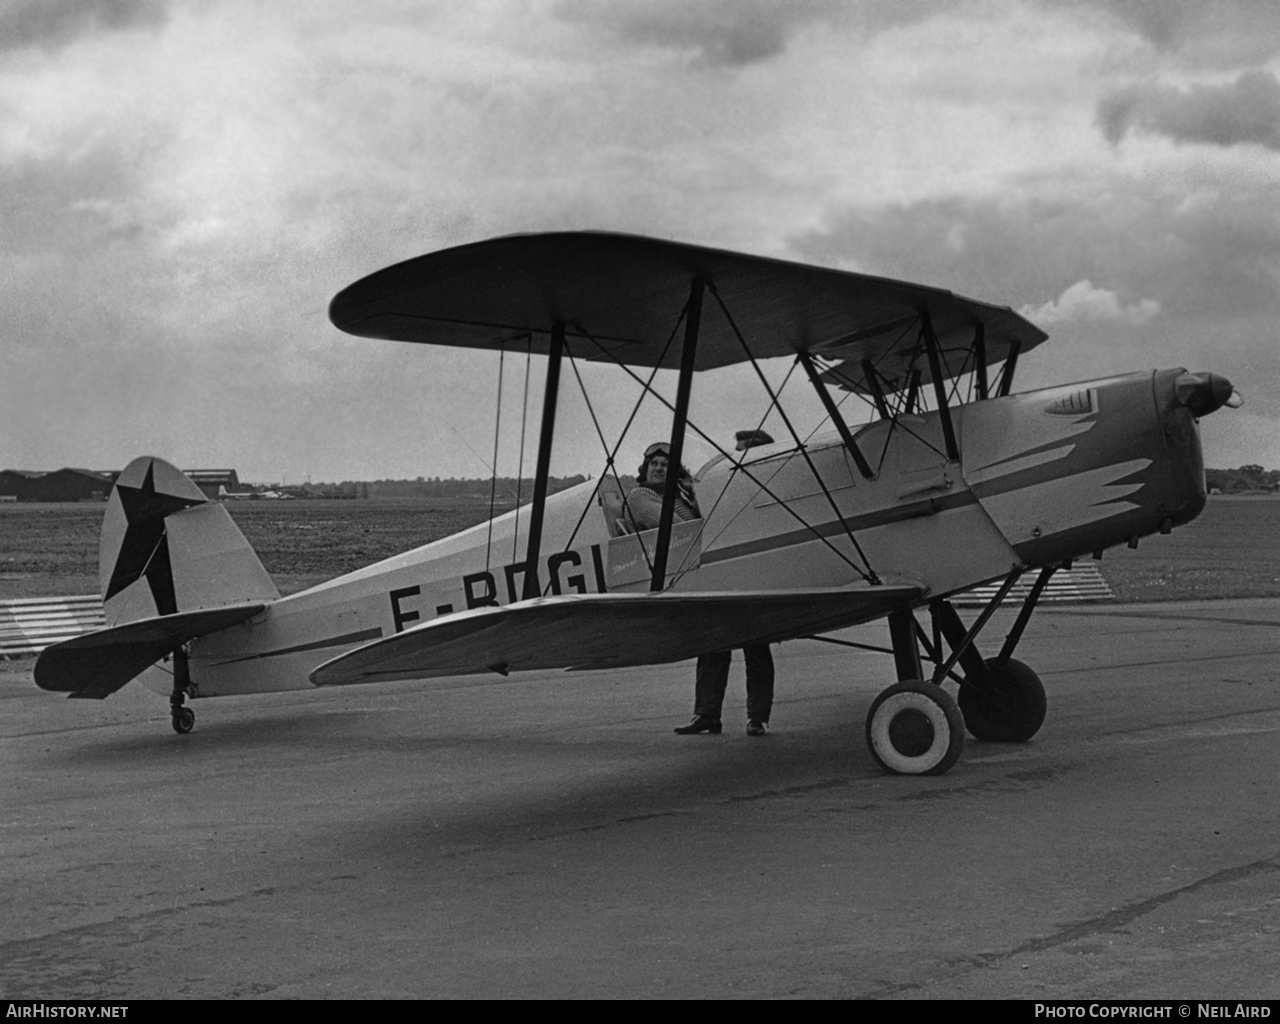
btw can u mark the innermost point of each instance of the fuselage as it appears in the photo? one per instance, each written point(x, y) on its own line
point(1043, 477)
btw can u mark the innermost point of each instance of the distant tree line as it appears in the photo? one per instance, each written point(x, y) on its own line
point(1243, 480)
point(505, 489)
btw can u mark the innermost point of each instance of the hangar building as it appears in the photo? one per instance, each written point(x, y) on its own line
point(210, 480)
point(68, 484)
point(15, 484)
point(72, 484)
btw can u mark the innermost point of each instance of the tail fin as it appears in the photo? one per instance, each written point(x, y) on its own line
point(173, 567)
point(166, 548)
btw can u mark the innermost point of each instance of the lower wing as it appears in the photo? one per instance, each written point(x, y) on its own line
point(593, 631)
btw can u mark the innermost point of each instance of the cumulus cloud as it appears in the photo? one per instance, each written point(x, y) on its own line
point(1243, 112)
point(733, 33)
point(52, 24)
point(1083, 302)
point(723, 32)
point(1204, 261)
point(1188, 281)
point(1222, 34)
point(180, 204)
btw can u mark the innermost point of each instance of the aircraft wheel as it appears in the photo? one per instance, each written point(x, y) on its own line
point(915, 728)
point(1012, 708)
point(184, 720)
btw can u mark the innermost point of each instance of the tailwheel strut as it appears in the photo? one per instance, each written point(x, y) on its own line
point(183, 718)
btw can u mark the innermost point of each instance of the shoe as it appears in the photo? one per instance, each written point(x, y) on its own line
point(756, 727)
point(700, 723)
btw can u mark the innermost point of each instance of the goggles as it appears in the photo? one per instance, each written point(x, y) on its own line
point(661, 448)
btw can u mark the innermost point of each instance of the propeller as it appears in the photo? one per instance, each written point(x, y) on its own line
point(1203, 393)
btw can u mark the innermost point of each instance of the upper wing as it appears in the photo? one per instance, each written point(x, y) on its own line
point(627, 292)
point(589, 631)
point(99, 663)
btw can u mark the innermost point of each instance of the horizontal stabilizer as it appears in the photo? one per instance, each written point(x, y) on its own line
point(97, 664)
point(595, 631)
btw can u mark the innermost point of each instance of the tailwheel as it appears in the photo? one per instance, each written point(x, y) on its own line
point(184, 720)
point(915, 728)
point(1010, 706)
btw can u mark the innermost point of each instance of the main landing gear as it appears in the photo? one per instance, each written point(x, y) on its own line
point(1008, 707)
point(183, 718)
point(916, 727)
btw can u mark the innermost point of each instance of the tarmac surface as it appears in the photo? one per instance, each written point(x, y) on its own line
point(548, 835)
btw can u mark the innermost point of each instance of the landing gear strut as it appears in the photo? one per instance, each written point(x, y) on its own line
point(183, 718)
point(1001, 698)
point(916, 728)
point(913, 727)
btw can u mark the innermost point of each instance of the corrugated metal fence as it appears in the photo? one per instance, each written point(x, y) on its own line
point(1077, 584)
point(30, 625)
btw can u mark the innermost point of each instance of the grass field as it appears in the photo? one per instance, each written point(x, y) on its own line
point(53, 549)
point(1232, 550)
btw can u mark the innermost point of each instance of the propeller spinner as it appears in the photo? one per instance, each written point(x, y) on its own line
point(1204, 393)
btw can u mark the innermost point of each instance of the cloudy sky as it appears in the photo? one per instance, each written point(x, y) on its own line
point(184, 184)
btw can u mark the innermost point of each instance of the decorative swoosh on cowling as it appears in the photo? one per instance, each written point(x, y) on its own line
point(1050, 451)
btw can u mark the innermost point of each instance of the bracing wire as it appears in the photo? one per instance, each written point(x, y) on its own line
point(611, 454)
point(488, 466)
point(869, 574)
point(720, 448)
point(737, 463)
point(524, 422)
point(493, 485)
point(895, 421)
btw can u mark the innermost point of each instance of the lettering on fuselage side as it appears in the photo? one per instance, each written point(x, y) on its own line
point(489, 599)
point(597, 562)
point(577, 582)
point(521, 568)
point(480, 589)
point(399, 615)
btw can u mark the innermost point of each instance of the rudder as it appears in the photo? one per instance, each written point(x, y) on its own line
point(165, 548)
point(173, 567)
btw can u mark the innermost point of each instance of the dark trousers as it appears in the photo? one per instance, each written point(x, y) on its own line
point(713, 680)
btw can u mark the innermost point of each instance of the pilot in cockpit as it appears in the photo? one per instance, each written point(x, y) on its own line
point(644, 504)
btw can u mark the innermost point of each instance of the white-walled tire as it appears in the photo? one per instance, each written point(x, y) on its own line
point(915, 728)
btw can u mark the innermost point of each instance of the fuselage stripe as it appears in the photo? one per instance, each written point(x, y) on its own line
point(334, 641)
point(881, 517)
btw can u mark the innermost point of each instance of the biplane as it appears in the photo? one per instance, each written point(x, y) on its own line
point(954, 480)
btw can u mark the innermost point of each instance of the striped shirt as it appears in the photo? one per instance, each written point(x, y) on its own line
point(644, 507)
